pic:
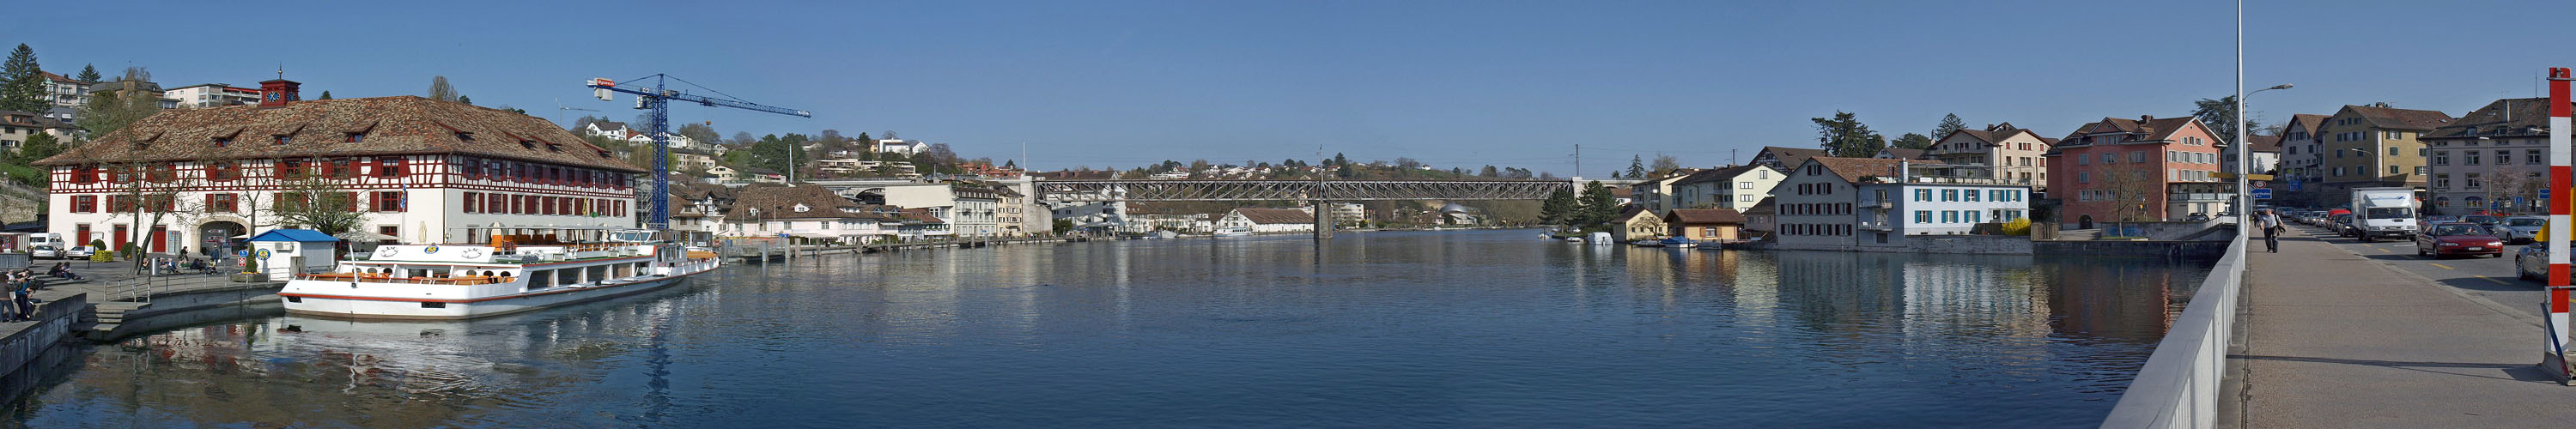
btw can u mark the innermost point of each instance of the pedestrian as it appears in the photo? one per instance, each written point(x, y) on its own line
point(2271, 223)
point(25, 302)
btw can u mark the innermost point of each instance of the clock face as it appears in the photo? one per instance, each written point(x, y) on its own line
point(273, 96)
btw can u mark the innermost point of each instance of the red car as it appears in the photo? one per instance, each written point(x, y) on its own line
point(2457, 238)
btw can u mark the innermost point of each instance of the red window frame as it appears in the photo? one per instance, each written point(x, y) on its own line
point(473, 201)
point(118, 204)
point(84, 204)
point(290, 169)
point(224, 203)
point(388, 201)
point(352, 198)
point(390, 167)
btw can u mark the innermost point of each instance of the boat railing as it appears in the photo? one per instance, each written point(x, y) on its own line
point(377, 278)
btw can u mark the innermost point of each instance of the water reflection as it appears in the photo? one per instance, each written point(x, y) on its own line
point(1369, 329)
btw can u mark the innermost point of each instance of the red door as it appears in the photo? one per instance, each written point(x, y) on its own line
point(160, 239)
point(122, 236)
point(79, 239)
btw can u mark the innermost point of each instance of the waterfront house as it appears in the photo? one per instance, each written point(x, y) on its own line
point(2003, 150)
point(1761, 218)
point(422, 170)
point(1163, 216)
point(1889, 205)
point(1735, 187)
point(2496, 154)
point(970, 209)
point(1637, 223)
point(2376, 146)
point(1705, 224)
point(806, 214)
point(919, 224)
point(2146, 169)
point(2302, 153)
point(1269, 220)
point(1816, 204)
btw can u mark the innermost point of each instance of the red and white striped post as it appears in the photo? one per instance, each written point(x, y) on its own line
point(2558, 212)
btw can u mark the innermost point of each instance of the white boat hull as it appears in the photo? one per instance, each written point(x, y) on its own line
point(354, 307)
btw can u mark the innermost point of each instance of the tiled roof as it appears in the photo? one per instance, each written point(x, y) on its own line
point(1997, 134)
point(919, 216)
point(2153, 128)
point(2264, 143)
point(1276, 216)
point(1789, 156)
point(779, 202)
point(2309, 122)
point(2529, 117)
point(321, 128)
point(1703, 216)
point(2401, 119)
point(1631, 212)
point(1763, 207)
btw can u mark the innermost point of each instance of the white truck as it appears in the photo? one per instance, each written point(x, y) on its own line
point(2383, 213)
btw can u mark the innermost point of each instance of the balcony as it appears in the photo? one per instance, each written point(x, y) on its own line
point(1879, 204)
point(1875, 226)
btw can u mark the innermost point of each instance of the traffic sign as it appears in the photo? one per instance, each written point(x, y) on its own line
point(2294, 184)
point(2262, 193)
point(2262, 183)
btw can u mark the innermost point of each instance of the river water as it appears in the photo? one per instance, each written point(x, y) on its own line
point(1409, 329)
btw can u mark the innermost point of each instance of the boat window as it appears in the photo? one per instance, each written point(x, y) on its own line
point(537, 279)
point(569, 276)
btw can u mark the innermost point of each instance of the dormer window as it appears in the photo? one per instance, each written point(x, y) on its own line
point(221, 141)
point(550, 146)
point(801, 208)
point(357, 137)
point(531, 144)
point(466, 136)
point(284, 139)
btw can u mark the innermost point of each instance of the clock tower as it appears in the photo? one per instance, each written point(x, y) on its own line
point(275, 93)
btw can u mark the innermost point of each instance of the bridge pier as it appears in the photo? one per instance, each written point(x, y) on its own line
point(1323, 220)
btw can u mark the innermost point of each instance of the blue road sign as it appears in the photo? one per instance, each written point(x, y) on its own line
point(2262, 193)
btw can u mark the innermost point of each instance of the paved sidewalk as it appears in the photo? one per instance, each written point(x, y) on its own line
point(2333, 339)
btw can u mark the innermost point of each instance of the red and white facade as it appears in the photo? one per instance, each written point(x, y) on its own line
point(429, 198)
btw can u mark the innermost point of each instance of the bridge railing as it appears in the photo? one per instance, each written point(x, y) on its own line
point(2179, 385)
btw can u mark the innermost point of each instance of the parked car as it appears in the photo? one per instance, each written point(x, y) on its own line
point(2532, 263)
point(2427, 222)
point(2482, 219)
point(2519, 229)
point(81, 252)
point(2196, 217)
point(2342, 224)
point(46, 252)
point(2457, 239)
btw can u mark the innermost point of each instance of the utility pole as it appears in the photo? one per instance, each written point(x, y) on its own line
point(2244, 155)
point(1323, 211)
point(1578, 160)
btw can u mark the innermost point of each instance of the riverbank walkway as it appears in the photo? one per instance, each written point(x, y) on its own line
point(2331, 338)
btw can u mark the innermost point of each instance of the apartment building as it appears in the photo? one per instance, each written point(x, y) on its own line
point(2375, 146)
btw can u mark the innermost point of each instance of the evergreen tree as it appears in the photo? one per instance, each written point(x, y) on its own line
point(89, 74)
point(1636, 167)
point(1949, 124)
point(1597, 206)
point(1845, 136)
point(22, 82)
point(469, 101)
point(1559, 207)
point(326, 94)
point(38, 146)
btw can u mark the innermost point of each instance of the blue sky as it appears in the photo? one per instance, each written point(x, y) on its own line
point(1465, 83)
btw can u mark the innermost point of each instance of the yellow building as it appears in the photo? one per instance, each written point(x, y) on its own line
point(1637, 223)
point(2374, 146)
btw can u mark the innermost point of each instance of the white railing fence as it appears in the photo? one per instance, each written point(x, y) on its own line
point(2178, 387)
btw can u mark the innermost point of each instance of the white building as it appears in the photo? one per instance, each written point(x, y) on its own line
point(212, 95)
point(1265, 221)
point(809, 214)
point(1874, 204)
point(2006, 152)
point(423, 171)
point(1019, 214)
point(1737, 187)
point(66, 96)
point(16, 127)
point(969, 209)
point(905, 147)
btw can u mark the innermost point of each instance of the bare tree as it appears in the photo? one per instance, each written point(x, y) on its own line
point(440, 90)
point(1665, 165)
point(317, 203)
point(2502, 183)
point(2130, 187)
point(148, 193)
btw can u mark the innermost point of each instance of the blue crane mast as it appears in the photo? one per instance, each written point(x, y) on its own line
point(658, 99)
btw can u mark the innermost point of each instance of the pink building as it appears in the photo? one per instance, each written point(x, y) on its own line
point(2146, 169)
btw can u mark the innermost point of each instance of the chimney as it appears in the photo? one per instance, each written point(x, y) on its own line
point(277, 92)
point(2146, 118)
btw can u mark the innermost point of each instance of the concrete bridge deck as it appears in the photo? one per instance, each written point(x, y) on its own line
point(2334, 335)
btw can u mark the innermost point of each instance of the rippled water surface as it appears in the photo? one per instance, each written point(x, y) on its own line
point(1476, 329)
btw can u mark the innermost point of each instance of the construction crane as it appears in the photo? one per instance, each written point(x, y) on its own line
point(560, 108)
point(658, 99)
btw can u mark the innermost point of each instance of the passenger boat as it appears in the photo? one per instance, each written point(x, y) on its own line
point(514, 274)
point(1233, 231)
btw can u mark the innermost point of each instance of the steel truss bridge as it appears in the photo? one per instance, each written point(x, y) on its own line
point(1307, 190)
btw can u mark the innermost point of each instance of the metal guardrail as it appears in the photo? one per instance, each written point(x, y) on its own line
point(2178, 387)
